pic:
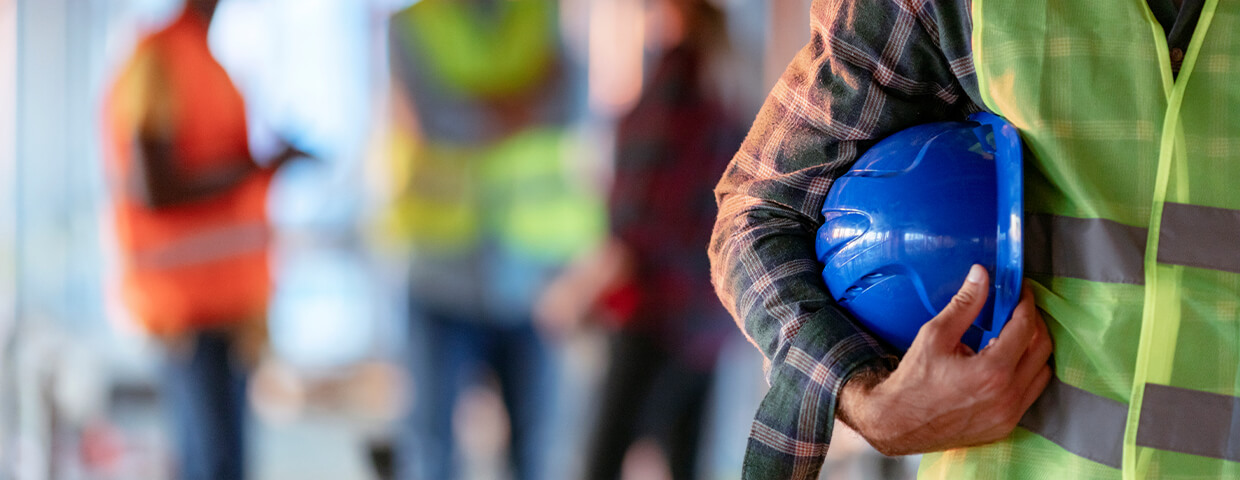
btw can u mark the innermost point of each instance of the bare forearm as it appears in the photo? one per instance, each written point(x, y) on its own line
point(856, 388)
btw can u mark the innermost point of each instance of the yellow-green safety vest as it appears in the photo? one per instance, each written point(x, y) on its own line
point(1133, 234)
point(517, 190)
point(486, 57)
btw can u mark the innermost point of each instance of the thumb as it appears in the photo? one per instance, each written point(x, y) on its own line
point(950, 324)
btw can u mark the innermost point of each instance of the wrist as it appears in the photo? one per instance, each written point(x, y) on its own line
point(856, 396)
point(275, 162)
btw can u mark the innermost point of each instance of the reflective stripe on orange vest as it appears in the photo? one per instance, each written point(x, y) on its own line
point(204, 247)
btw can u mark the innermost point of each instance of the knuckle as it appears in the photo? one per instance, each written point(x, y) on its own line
point(992, 381)
point(1015, 413)
point(1009, 423)
point(1004, 418)
point(996, 421)
point(1022, 313)
point(964, 297)
point(1016, 403)
point(1007, 400)
point(1045, 346)
point(1043, 377)
point(1012, 402)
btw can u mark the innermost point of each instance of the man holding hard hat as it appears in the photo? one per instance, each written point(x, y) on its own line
point(1128, 259)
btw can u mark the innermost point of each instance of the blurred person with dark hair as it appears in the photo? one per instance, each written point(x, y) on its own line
point(484, 203)
point(650, 281)
point(189, 209)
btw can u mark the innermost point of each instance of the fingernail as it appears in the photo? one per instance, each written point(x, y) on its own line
point(975, 274)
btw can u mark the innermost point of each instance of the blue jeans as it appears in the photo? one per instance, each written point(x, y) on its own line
point(204, 393)
point(450, 354)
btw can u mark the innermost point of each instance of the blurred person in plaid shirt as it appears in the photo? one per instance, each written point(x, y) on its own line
point(649, 282)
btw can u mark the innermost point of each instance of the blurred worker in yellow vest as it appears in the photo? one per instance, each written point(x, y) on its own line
point(487, 208)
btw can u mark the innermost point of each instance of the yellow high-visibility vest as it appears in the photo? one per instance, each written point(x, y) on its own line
point(1133, 234)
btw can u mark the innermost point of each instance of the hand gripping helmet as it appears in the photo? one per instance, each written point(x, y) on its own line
point(903, 226)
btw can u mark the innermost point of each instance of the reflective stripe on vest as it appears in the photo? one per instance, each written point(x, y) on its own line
point(1094, 249)
point(1173, 419)
point(1202, 237)
point(204, 247)
point(1102, 250)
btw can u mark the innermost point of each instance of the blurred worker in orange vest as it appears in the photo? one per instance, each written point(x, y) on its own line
point(190, 212)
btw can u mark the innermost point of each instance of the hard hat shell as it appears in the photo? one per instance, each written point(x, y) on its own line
point(903, 226)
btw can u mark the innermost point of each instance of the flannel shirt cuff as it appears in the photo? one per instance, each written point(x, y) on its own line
point(792, 429)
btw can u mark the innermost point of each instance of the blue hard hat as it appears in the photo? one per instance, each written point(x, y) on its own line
point(903, 226)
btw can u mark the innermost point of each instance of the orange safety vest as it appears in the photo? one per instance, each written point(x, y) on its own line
point(204, 263)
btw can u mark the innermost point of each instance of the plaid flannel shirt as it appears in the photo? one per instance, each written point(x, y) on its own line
point(670, 150)
point(871, 68)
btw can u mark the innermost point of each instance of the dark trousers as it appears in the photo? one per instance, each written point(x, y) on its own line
point(647, 391)
point(450, 354)
point(204, 393)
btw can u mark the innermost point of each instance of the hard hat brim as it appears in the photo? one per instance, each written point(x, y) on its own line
point(1009, 264)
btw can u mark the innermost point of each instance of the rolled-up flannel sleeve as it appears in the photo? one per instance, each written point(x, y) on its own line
point(872, 67)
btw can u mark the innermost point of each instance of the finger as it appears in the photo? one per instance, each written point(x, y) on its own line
point(1035, 388)
point(1012, 342)
point(946, 328)
point(1036, 356)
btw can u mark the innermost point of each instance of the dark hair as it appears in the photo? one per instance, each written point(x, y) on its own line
point(705, 24)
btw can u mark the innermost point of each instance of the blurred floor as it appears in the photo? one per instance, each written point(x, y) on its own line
point(302, 427)
point(321, 425)
point(318, 446)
